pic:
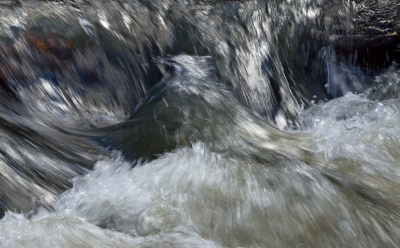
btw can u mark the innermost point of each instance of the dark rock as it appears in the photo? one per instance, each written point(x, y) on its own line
point(367, 29)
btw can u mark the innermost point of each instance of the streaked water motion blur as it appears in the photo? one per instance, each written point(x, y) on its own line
point(199, 124)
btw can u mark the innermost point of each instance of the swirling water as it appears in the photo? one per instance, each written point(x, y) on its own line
point(191, 124)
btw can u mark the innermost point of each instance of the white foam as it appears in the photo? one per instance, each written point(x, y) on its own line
point(194, 197)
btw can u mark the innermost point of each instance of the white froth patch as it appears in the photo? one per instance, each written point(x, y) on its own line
point(360, 138)
point(193, 198)
point(57, 231)
point(206, 199)
point(358, 129)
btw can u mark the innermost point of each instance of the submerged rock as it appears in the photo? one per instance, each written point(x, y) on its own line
point(190, 107)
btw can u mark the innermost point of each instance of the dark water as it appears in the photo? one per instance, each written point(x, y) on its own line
point(196, 124)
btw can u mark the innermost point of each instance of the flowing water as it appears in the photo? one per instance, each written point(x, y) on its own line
point(193, 124)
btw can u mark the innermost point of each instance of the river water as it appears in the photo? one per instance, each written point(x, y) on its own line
point(193, 124)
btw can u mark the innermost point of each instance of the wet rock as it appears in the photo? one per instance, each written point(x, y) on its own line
point(368, 30)
point(55, 44)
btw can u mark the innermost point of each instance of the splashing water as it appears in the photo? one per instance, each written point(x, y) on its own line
point(193, 124)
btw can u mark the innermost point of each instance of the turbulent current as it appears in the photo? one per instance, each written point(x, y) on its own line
point(184, 123)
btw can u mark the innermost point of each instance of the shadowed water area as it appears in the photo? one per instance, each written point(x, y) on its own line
point(199, 123)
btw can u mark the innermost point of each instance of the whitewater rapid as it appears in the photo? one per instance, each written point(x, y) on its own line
point(196, 197)
point(198, 124)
